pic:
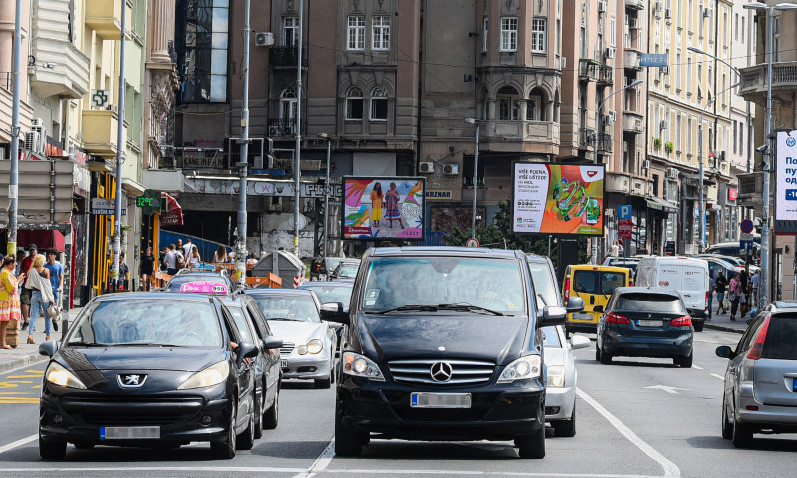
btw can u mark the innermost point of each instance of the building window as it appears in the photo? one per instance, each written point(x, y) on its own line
point(509, 34)
point(735, 135)
point(689, 80)
point(485, 32)
point(288, 110)
point(467, 171)
point(290, 31)
point(356, 33)
point(538, 35)
point(736, 28)
point(380, 33)
point(378, 104)
point(742, 29)
point(612, 31)
point(201, 40)
point(741, 136)
point(508, 104)
point(354, 104)
point(535, 105)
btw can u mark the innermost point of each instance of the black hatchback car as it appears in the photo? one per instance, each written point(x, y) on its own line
point(442, 343)
point(643, 322)
point(147, 369)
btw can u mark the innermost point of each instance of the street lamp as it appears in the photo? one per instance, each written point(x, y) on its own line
point(595, 147)
point(763, 295)
point(702, 206)
point(326, 137)
point(475, 173)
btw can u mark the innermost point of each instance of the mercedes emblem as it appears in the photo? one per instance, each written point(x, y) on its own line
point(442, 372)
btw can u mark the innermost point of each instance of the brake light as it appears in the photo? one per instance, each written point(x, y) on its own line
point(612, 318)
point(757, 349)
point(684, 321)
point(707, 296)
point(567, 289)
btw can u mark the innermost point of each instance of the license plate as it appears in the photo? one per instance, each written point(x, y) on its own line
point(582, 317)
point(649, 323)
point(130, 433)
point(440, 400)
point(283, 363)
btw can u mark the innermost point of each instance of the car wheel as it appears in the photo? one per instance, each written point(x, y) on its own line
point(742, 436)
point(566, 428)
point(52, 450)
point(246, 440)
point(225, 450)
point(685, 362)
point(271, 417)
point(347, 442)
point(727, 425)
point(324, 382)
point(84, 446)
point(597, 351)
point(699, 326)
point(606, 359)
point(532, 446)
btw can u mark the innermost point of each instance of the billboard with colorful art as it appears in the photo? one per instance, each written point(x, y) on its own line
point(383, 208)
point(561, 199)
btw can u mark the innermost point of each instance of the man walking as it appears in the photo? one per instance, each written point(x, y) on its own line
point(754, 284)
point(56, 274)
point(720, 285)
point(711, 286)
point(187, 249)
point(171, 260)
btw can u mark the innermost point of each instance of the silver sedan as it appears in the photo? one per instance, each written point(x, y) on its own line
point(560, 397)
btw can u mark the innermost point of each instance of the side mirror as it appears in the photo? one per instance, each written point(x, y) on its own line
point(724, 351)
point(553, 315)
point(48, 348)
point(575, 304)
point(579, 342)
point(333, 312)
point(272, 342)
point(246, 350)
point(598, 308)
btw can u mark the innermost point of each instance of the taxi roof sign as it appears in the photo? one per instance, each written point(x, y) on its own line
point(204, 287)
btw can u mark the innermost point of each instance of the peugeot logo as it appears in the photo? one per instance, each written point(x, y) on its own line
point(442, 372)
point(131, 380)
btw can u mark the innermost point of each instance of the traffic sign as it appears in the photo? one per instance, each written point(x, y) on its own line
point(472, 242)
point(625, 229)
point(746, 226)
point(624, 211)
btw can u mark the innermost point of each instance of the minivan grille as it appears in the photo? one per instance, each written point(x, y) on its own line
point(462, 372)
point(286, 348)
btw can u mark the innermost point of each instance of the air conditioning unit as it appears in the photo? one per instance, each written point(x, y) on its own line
point(664, 70)
point(601, 6)
point(563, 63)
point(646, 164)
point(37, 122)
point(610, 118)
point(662, 125)
point(610, 52)
point(667, 13)
point(32, 141)
point(426, 167)
point(311, 165)
point(707, 13)
point(451, 169)
point(657, 7)
point(633, 23)
point(672, 173)
point(264, 39)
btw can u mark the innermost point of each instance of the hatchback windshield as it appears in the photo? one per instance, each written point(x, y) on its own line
point(495, 284)
point(597, 282)
point(663, 303)
point(295, 307)
point(148, 322)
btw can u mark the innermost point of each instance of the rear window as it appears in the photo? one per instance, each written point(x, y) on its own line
point(597, 282)
point(662, 303)
point(781, 342)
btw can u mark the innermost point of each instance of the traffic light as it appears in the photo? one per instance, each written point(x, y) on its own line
point(233, 151)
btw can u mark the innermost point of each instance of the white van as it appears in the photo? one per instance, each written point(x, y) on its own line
point(687, 275)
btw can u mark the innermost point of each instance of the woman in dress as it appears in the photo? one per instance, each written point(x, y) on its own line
point(376, 204)
point(9, 299)
point(734, 294)
point(392, 199)
point(194, 259)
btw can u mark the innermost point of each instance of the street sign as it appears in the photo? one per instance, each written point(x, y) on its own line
point(746, 242)
point(625, 229)
point(653, 59)
point(746, 226)
point(624, 211)
point(102, 206)
point(472, 242)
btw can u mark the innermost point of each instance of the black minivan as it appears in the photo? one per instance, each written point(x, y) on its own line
point(442, 343)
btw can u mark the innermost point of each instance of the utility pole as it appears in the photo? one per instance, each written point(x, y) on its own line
point(120, 149)
point(240, 242)
point(327, 188)
point(298, 158)
point(13, 193)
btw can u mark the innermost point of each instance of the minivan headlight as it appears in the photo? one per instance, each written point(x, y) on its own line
point(58, 374)
point(523, 368)
point(556, 376)
point(213, 375)
point(360, 366)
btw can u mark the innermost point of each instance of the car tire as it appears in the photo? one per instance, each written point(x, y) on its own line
point(259, 415)
point(566, 428)
point(742, 436)
point(685, 362)
point(699, 326)
point(597, 351)
point(323, 382)
point(727, 425)
point(532, 446)
point(225, 450)
point(271, 417)
point(347, 442)
point(83, 446)
point(52, 450)
point(606, 359)
point(246, 440)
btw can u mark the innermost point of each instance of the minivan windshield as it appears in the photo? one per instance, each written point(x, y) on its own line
point(490, 283)
point(544, 284)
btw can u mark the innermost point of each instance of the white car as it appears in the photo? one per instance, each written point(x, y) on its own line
point(560, 397)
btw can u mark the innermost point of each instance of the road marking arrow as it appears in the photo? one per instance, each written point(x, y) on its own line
point(667, 389)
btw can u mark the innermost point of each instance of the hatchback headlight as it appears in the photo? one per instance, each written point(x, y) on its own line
point(58, 374)
point(556, 376)
point(360, 366)
point(213, 375)
point(523, 368)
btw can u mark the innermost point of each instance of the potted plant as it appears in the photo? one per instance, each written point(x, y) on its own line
point(657, 144)
point(668, 147)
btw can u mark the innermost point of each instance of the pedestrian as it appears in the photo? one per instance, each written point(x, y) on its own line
point(754, 289)
point(180, 245)
point(20, 256)
point(376, 204)
point(734, 294)
point(146, 267)
point(56, 274)
point(193, 256)
point(9, 302)
point(615, 251)
point(719, 285)
point(250, 262)
point(25, 294)
point(123, 279)
point(392, 199)
point(170, 259)
point(38, 282)
point(230, 258)
point(220, 255)
point(712, 284)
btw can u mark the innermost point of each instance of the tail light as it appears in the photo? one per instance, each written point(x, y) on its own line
point(567, 289)
point(707, 296)
point(684, 321)
point(612, 318)
point(757, 349)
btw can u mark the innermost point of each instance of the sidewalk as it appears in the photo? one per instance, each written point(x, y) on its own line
point(26, 353)
point(723, 322)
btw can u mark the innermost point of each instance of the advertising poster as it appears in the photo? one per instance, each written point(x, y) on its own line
point(562, 199)
point(786, 183)
point(383, 208)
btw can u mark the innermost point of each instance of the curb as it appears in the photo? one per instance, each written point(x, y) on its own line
point(22, 361)
point(724, 329)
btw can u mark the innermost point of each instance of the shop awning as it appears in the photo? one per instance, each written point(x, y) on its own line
point(43, 239)
point(661, 205)
point(174, 213)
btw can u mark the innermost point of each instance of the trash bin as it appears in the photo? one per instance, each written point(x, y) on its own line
point(284, 264)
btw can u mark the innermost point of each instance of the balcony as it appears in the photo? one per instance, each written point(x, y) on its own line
point(632, 122)
point(605, 75)
point(281, 127)
point(625, 183)
point(105, 17)
point(635, 4)
point(754, 80)
point(586, 137)
point(631, 59)
point(100, 132)
point(286, 55)
point(605, 142)
point(588, 69)
point(537, 136)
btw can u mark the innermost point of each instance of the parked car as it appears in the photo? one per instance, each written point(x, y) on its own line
point(447, 352)
point(308, 349)
point(687, 275)
point(346, 269)
point(732, 248)
point(149, 369)
point(645, 322)
point(760, 392)
point(594, 285)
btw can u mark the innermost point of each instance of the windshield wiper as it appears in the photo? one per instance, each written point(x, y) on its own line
point(284, 319)
point(420, 307)
point(86, 344)
point(469, 307)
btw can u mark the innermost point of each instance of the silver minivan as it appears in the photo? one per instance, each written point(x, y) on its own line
point(760, 393)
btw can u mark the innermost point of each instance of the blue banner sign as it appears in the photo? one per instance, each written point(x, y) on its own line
point(653, 59)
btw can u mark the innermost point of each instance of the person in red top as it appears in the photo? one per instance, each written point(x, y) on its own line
point(25, 294)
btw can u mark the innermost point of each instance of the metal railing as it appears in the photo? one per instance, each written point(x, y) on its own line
point(606, 75)
point(282, 127)
point(585, 136)
point(286, 55)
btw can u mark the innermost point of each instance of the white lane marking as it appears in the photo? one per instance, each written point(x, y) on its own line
point(18, 443)
point(667, 389)
point(718, 376)
point(320, 464)
point(697, 367)
point(480, 473)
point(217, 469)
point(670, 468)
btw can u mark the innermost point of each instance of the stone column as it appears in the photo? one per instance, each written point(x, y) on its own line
point(161, 12)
